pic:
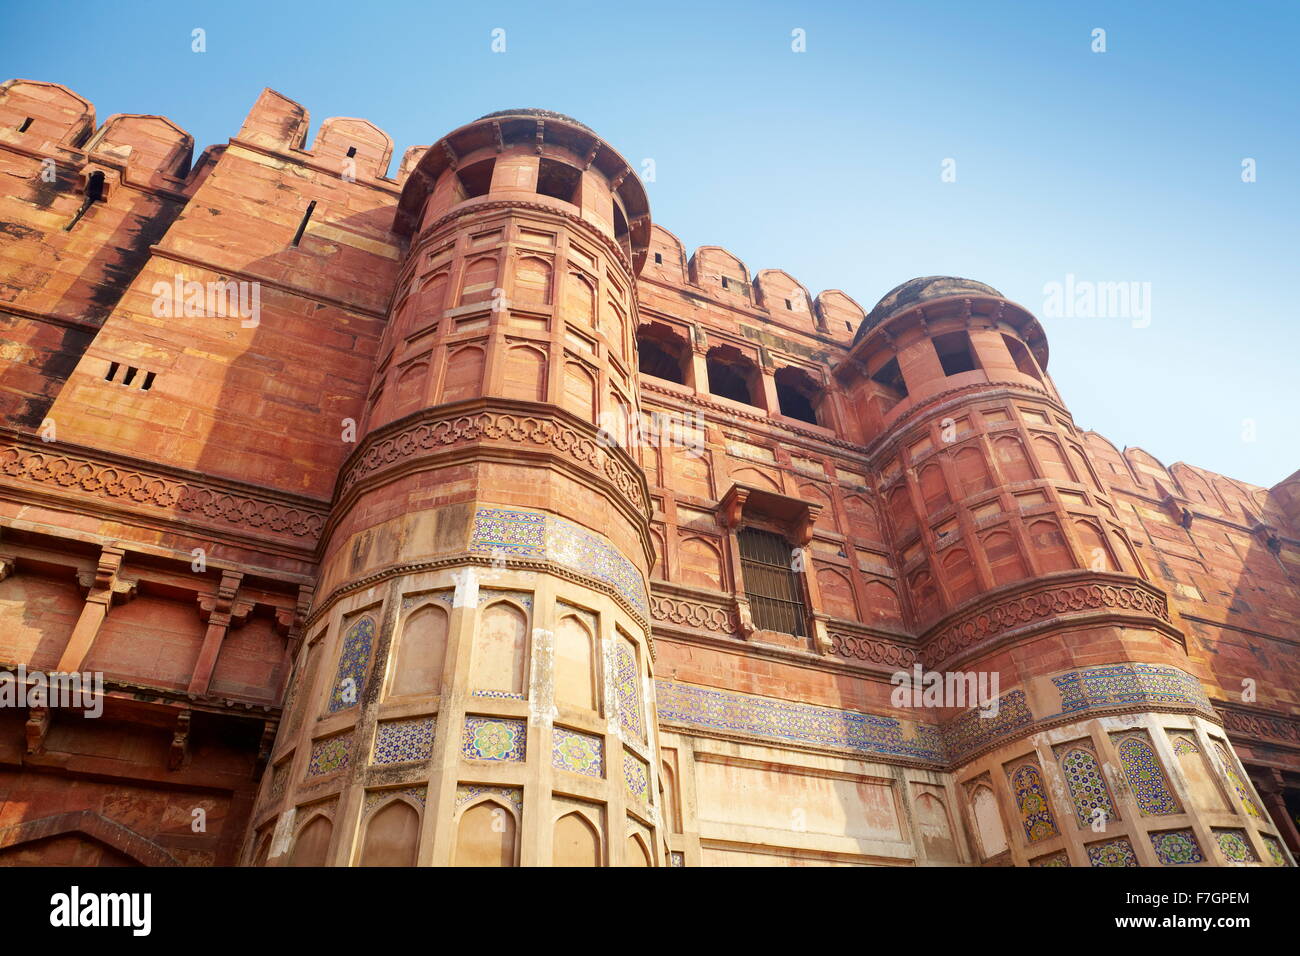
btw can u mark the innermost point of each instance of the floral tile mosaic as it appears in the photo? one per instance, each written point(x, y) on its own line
point(627, 690)
point(1087, 787)
point(354, 662)
point(1116, 852)
point(578, 752)
point(403, 741)
point(1060, 858)
point(375, 797)
point(1235, 846)
point(971, 731)
point(469, 792)
point(1129, 684)
point(537, 535)
point(1229, 768)
point(702, 707)
point(1275, 852)
point(1031, 800)
point(1146, 777)
point(676, 859)
point(494, 738)
point(329, 754)
point(636, 775)
point(1177, 847)
point(1184, 744)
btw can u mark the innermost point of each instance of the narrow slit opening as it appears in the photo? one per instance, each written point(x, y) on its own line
point(302, 226)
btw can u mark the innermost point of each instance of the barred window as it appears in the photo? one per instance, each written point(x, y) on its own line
point(772, 586)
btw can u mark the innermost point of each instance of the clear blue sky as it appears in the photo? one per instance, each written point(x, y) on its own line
point(1115, 166)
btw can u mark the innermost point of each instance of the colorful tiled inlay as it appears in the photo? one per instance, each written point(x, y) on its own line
point(354, 662)
point(1184, 744)
point(498, 694)
point(1229, 767)
point(1275, 852)
point(1146, 777)
point(375, 797)
point(1177, 847)
point(467, 793)
point(411, 600)
point(578, 752)
point(1087, 787)
point(704, 708)
point(548, 537)
point(1060, 858)
point(636, 774)
point(1116, 852)
point(487, 595)
point(1031, 799)
point(627, 690)
point(1235, 846)
point(494, 738)
point(1129, 684)
point(972, 730)
point(676, 859)
point(403, 741)
point(329, 754)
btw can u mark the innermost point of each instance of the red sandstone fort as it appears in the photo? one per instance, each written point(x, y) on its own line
point(458, 516)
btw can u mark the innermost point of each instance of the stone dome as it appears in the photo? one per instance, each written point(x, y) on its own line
point(923, 289)
point(540, 114)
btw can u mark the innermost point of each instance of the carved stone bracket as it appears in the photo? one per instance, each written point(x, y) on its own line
point(105, 585)
point(38, 725)
point(179, 751)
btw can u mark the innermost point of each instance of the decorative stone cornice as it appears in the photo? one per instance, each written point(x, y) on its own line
point(528, 424)
point(1028, 607)
point(1268, 729)
point(167, 493)
point(869, 648)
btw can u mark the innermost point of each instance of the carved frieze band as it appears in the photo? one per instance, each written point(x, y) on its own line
point(1051, 599)
point(523, 429)
point(1264, 727)
point(873, 650)
point(132, 486)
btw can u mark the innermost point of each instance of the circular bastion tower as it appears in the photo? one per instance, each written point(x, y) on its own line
point(1102, 748)
point(476, 682)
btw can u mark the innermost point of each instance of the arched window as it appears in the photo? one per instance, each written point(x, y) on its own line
point(733, 376)
point(662, 353)
point(799, 396)
point(558, 180)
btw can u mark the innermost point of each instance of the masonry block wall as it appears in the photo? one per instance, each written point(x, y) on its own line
point(429, 517)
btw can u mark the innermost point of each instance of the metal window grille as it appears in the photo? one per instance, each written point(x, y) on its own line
point(773, 588)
